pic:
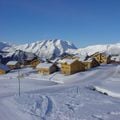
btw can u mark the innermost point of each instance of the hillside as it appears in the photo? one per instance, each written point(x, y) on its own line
point(59, 97)
point(111, 49)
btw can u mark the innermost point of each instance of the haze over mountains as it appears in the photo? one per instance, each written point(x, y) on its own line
point(55, 48)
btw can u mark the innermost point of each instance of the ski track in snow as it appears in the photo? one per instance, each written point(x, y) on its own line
point(49, 106)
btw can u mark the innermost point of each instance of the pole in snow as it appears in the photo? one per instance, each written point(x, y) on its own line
point(19, 82)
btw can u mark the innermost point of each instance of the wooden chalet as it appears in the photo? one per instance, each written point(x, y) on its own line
point(46, 68)
point(90, 63)
point(34, 63)
point(13, 64)
point(102, 58)
point(71, 66)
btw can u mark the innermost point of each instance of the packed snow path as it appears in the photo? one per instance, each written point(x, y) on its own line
point(46, 100)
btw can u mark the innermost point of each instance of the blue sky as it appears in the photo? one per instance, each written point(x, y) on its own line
point(83, 22)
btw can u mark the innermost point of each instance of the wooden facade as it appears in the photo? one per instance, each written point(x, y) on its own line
point(101, 58)
point(34, 63)
point(90, 63)
point(69, 67)
point(28, 61)
point(2, 71)
point(46, 68)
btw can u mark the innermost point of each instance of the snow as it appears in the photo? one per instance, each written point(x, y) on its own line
point(89, 95)
point(68, 61)
point(89, 60)
point(51, 49)
point(44, 65)
point(111, 85)
point(56, 47)
point(116, 58)
point(111, 49)
point(60, 97)
point(45, 48)
point(82, 57)
point(108, 92)
point(12, 62)
point(20, 55)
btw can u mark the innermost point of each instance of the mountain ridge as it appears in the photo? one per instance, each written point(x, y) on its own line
point(51, 49)
point(45, 49)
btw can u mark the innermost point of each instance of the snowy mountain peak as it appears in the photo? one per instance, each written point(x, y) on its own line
point(46, 48)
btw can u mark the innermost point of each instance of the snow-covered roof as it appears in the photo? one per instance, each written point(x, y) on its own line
point(82, 58)
point(29, 58)
point(59, 65)
point(115, 58)
point(12, 62)
point(44, 65)
point(4, 67)
point(103, 53)
point(89, 60)
point(68, 61)
point(55, 60)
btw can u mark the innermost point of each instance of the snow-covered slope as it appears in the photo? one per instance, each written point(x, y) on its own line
point(72, 99)
point(21, 55)
point(17, 55)
point(46, 48)
point(111, 49)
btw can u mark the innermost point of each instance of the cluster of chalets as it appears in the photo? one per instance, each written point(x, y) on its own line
point(68, 64)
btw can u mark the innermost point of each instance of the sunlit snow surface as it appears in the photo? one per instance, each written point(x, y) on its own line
point(59, 97)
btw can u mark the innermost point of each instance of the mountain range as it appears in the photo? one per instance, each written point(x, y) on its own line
point(50, 49)
point(43, 49)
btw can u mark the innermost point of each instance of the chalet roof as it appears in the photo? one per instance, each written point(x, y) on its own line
point(44, 65)
point(82, 58)
point(104, 53)
point(96, 53)
point(68, 61)
point(115, 58)
point(89, 60)
point(4, 67)
point(12, 62)
point(58, 65)
point(29, 59)
point(55, 60)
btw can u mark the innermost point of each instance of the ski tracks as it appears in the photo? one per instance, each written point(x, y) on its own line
point(43, 108)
